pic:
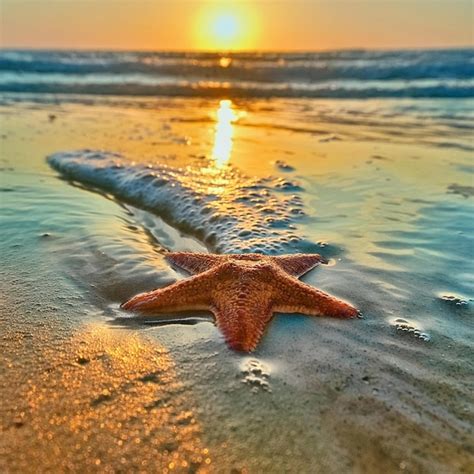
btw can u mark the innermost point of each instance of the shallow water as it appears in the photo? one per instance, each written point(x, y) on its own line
point(381, 188)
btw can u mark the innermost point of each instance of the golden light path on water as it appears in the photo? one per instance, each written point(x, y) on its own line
point(224, 132)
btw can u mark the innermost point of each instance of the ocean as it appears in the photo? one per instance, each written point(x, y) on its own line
point(339, 74)
point(111, 159)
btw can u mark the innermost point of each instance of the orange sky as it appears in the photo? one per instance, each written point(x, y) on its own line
point(235, 24)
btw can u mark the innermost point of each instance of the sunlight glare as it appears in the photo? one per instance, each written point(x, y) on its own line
point(225, 62)
point(224, 132)
point(225, 28)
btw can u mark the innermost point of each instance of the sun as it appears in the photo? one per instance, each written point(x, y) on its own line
point(225, 28)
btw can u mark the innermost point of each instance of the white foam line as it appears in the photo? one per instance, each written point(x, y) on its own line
point(229, 212)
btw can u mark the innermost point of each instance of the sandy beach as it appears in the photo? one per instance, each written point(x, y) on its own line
point(383, 189)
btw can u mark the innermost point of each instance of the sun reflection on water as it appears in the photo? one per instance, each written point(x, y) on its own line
point(225, 62)
point(224, 131)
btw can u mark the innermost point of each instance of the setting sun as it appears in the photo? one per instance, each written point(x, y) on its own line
point(226, 28)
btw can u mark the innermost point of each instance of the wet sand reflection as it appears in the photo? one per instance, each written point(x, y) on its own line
point(110, 401)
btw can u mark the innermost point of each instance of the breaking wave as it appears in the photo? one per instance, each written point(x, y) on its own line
point(337, 74)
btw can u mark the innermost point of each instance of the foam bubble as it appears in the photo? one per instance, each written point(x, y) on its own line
point(230, 212)
point(283, 166)
point(454, 300)
point(403, 326)
point(256, 374)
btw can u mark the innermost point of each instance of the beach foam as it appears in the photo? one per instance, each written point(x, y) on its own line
point(228, 211)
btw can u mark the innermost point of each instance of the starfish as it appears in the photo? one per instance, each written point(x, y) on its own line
point(243, 291)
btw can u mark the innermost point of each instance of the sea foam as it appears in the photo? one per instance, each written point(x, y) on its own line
point(228, 211)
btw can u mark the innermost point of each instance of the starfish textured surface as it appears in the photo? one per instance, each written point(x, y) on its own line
point(243, 291)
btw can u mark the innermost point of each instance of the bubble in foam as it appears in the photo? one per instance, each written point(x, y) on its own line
point(286, 185)
point(283, 166)
point(454, 300)
point(232, 212)
point(403, 326)
point(256, 375)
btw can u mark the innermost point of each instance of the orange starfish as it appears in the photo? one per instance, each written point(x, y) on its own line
point(243, 291)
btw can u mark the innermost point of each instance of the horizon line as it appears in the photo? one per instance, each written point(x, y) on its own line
point(234, 51)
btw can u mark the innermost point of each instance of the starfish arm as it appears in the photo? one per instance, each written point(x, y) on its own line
point(184, 295)
point(298, 264)
point(298, 297)
point(242, 322)
point(243, 291)
point(193, 262)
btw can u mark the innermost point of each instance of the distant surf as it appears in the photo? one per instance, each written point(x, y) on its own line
point(336, 74)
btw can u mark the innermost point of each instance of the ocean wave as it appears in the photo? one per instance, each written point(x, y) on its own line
point(242, 90)
point(448, 73)
point(312, 67)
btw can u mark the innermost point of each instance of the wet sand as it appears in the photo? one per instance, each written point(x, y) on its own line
point(85, 388)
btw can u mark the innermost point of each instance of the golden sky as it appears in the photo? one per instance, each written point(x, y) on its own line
point(235, 24)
